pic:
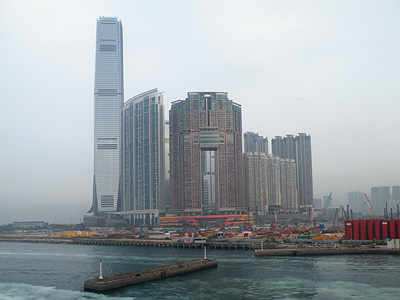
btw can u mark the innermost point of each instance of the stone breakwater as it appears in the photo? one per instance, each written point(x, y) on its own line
point(132, 278)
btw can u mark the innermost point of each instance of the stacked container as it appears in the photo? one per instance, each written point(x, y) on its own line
point(392, 229)
point(377, 229)
point(362, 226)
point(355, 229)
point(384, 229)
point(347, 230)
point(370, 230)
point(398, 228)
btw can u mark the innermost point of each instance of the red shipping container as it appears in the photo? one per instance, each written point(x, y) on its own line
point(392, 229)
point(362, 225)
point(377, 229)
point(398, 229)
point(370, 230)
point(384, 229)
point(347, 230)
point(355, 229)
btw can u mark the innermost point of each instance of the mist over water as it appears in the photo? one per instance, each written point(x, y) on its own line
point(46, 271)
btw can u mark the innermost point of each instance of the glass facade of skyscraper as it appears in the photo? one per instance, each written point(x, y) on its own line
point(143, 157)
point(108, 101)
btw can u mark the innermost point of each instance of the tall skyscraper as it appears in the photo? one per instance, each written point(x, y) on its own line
point(255, 143)
point(108, 101)
point(206, 155)
point(143, 158)
point(298, 148)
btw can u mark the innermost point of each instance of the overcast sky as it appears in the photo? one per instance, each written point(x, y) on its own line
point(327, 68)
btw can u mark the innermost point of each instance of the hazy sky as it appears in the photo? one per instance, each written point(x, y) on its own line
point(327, 68)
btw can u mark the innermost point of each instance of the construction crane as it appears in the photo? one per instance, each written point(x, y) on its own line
point(336, 217)
point(370, 207)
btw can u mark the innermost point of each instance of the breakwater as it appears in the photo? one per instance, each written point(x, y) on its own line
point(132, 278)
point(324, 251)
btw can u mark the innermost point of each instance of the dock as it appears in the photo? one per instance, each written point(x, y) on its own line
point(324, 251)
point(132, 278)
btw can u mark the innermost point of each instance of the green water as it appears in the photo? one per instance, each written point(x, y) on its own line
point(47, 271)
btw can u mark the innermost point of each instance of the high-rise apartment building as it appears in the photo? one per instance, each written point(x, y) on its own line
point(282, 190)
point(304, 169)
point(108, 101)
point(284, 147)
point(288, 184)
point(255, 143)
point(298, 148)
point(256, 181)
point(143, 158)
point(206, 155)
point(274, 182)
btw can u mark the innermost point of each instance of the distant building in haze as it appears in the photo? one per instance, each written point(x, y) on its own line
point(255, 143)
point(143, 158)
point(379, 197)
point(299, 149)
point(206, 155)
point(357, 202)
point(108, 101)
point(396, 192)
point(317, 203)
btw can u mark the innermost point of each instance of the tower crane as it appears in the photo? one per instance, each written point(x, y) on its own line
point(370, 207)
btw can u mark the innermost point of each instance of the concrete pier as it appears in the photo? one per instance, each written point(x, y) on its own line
point(131, 278)
point(324, 251)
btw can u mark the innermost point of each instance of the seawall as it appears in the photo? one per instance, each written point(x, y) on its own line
point(324, 251)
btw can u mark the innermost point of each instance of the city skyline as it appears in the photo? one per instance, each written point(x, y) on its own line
point(330, 70)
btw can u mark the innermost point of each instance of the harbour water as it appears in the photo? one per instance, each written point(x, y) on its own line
point(57, 271)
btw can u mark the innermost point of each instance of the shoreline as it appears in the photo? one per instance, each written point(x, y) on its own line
point(324, 251)
point(292, 250)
